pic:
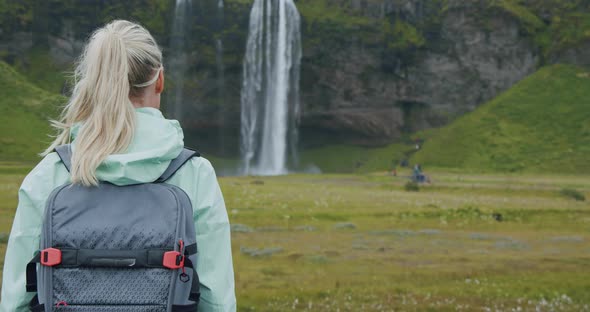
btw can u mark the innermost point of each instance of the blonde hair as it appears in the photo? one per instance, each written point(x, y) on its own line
point(118, 62)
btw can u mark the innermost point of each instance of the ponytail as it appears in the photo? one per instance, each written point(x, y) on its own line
point(116, 63)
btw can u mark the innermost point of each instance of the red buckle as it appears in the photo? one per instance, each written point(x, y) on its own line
point(174, 259)
point(50, 257)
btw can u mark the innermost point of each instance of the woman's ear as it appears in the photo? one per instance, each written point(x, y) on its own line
point(160, 82)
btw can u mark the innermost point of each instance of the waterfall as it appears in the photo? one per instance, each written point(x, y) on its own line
point(177, 58)
point(222, 132)
point(270, 91)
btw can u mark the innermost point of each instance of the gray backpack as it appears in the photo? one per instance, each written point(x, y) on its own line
point(116, 248)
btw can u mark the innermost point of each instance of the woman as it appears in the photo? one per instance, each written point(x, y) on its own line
point(119, 135)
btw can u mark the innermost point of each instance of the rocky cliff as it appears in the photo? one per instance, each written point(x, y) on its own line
point(372, 70)
point(376, 94)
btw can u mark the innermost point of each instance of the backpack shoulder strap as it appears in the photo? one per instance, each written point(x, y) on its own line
point(65, 154)
point(177, 163)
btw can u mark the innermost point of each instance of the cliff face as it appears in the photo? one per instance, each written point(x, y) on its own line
point(375, 95)
point(372, 70)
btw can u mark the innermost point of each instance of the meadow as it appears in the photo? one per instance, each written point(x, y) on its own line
point(504, 225)
point(344, 242)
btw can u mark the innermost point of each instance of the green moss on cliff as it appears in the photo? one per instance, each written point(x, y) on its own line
point(322, 11)
point(15, 15)
point(568, 31)
point(531, 22)
point(566, 23)
point(401, 36)
point(327, 26)
point(330, 26)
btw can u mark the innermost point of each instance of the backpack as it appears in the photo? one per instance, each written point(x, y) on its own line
point(116, 248)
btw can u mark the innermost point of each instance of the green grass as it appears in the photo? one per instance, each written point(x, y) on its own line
point(539, 125)
point(24, 113)
point(573, 194)
point(439, 249)
point(348, 159)
point(39, 68)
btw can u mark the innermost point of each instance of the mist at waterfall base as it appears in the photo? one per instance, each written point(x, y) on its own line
point(270, 92)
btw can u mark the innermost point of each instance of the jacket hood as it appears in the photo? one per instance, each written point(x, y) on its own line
point(155, 143)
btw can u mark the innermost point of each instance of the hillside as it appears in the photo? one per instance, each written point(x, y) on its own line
point(539, 125)
point(24, 113)
point(372, 72)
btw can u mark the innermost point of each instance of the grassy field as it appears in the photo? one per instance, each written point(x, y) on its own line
point(363, 243)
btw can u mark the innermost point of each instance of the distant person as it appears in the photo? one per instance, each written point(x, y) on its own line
point(417, 174)
point(417, 169)
point(119, 137)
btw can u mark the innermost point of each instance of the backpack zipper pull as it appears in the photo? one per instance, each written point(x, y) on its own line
point(181, 249)
point(181, 246)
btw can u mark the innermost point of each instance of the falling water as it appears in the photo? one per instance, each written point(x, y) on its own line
point(270, 103)
point(177, 59)
point(220, 77)
point(219, 48)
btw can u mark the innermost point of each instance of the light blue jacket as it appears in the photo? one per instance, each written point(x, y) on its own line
point(156, 142)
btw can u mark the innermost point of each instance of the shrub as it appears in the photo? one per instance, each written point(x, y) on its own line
point(573, 194)
point(3, 238)
point(412, 186)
